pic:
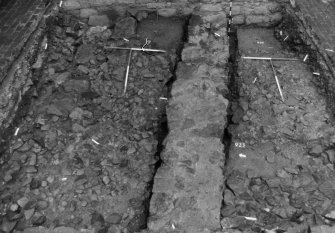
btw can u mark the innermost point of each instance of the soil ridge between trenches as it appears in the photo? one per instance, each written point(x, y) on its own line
point(187, 192)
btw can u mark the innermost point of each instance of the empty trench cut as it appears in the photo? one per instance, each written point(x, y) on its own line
point(86, 154)
point(278, 153)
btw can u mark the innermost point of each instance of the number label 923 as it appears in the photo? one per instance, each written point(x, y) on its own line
point(240, 144)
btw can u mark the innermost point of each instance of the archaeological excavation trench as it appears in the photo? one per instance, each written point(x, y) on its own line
point(279, 165)
point(152, 120)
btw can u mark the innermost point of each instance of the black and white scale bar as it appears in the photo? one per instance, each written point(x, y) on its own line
point(230, 19)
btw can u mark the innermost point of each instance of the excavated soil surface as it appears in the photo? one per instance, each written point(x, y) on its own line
point(85, 154)
point(280, 172)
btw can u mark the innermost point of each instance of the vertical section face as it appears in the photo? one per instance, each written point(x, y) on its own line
point(163, 33)
point(188, 187)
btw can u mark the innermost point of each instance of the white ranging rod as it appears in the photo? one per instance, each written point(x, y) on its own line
point(138, 49)
point(279, 88)
point(273, 69)
point(127, 72)
point(271, 58)
point(129, 60)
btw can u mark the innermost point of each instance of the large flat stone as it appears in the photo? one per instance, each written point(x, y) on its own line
point(99, 20)
point(323, 229)
point(84, 54)
point(71, 4)
point(167, 12)
point(87, 12)
point(125, 27)
point(55, 230)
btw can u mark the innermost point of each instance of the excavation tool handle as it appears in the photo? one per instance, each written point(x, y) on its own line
point(271, 58)
point(138, 49)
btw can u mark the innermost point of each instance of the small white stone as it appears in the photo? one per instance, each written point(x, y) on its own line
point(106, 180)
point(44, 183)
point(50, 179)
point(14, 207)
point(22, 201)
point(84, 203)
point(331, 215)
point(64, 203)
point(7, 177)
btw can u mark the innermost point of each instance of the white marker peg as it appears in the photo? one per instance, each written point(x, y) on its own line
point(61, 3)
point(285, 38)
point(242, 155)
point(254, 80)
point(217, 34)
point(305, 57)
point(125, 39)
point(173, 227)
point(330, 50)
point(163, 98)
point(46, 46)
point(281, 33)
point(316, 73)
point(95, 142)
point(251, 218)
point(63, 179)
point(16, 131)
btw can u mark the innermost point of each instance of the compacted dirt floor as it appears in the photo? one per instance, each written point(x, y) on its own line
point(84, 156)
point(280, 172)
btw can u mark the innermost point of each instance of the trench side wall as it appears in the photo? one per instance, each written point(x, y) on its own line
point(21, 51)
point(325, 61)
point(252, 12)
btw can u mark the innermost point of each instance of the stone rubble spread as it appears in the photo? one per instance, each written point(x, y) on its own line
point(87, 159)
point(85, 155)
